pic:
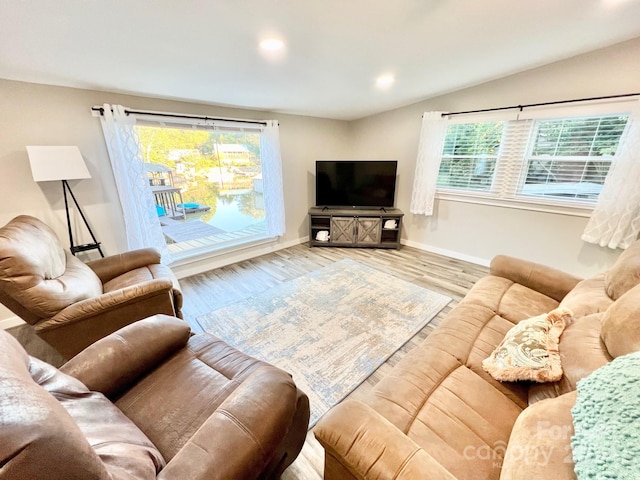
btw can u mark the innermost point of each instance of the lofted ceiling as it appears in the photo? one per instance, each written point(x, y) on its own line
point(207, 51)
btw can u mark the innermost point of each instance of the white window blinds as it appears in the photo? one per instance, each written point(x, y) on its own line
point(555, 161)
point(570, 158)
point(469, 156)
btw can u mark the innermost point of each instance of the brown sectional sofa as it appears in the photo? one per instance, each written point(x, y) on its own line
point(439, 415)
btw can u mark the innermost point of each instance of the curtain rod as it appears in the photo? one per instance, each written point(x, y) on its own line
point(559, 102)
point(177, 115)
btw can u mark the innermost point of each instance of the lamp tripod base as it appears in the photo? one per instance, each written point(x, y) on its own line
point(95, 245)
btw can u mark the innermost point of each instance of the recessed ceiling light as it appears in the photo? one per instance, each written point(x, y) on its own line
point(385, 81)
point(272, 44)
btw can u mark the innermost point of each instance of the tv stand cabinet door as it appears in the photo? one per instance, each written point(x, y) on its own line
point(343, 230)
point(368, 231)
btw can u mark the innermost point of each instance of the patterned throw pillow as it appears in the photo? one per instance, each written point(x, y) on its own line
point(529, 351)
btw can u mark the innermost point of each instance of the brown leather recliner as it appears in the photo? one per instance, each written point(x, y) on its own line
point(72, 304)
point(149, 401)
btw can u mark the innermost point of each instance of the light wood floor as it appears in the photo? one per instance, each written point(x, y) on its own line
point(209, 291)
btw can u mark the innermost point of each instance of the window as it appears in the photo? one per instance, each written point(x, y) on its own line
point(207, 184)
point(469, 156)
point(570, 158)
point(558, 161)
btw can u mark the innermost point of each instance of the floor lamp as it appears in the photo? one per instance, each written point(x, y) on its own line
point(62, 164)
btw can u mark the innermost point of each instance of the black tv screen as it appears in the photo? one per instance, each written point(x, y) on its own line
point(359, 183)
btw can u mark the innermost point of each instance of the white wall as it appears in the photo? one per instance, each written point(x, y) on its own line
point(479, 232)
point(45, 115)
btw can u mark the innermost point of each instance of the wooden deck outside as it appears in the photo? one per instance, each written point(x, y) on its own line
point(198, 242)
point(184, 231)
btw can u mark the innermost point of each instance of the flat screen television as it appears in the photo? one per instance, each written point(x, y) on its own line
point(356, 183)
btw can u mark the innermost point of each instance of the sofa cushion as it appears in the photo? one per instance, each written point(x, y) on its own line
point(117, 361)
point(581, 353)
point(220, 371)
point(50, 422)
point(125, 451)
point(449, 411)
point(30, 239)
point(621, 324)
point(140, 275)
point(132, 277)
point(625, 273)
point(510, 300)
point(465, 424)
point(587, 297)
point(529, 351)
point(540, 443)
point(440, 396)
point(465, 337)
point(36, 433)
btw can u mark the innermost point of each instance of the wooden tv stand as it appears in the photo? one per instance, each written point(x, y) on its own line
point(355, 227)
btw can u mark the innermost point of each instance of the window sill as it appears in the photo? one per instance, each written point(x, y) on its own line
point(519, 204)
point(192, 255)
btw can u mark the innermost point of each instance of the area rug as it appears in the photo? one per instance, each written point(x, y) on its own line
point(330, 328)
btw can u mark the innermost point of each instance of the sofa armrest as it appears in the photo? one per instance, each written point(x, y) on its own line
point(117, 360)
point(110, 267)
point(239, 439)
point(83, 323)
point(107, 301)
point(550, 281)
point(367, 446)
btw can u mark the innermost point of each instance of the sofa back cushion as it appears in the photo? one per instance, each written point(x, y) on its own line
point(581, 353)
point(587, 297)
point(625, 273)
point(621, 324)
point(38, 278)
point(37, 436)
point(51, 425)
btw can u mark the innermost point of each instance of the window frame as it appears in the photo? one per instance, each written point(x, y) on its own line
point(513, 155)
point(180, 251)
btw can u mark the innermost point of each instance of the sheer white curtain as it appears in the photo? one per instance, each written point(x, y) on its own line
point(140, 218)
point(434, 129)
point(615, 221)
point(272, 179)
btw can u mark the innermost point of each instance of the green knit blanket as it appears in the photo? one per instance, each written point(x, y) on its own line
point(606, 419)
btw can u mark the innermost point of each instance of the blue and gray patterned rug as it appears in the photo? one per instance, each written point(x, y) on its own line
point(330, 328)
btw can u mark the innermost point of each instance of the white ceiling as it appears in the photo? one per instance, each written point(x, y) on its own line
point(206, 51)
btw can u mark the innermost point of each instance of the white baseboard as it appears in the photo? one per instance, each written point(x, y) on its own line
point(10, 322)
point(200, 265)
point(447, 253)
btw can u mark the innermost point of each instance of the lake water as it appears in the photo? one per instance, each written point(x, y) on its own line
point(230, 218)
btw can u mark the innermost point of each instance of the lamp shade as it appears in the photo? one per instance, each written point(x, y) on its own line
point(57, 163)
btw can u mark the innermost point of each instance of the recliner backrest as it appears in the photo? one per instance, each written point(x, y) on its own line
point(53, 427)
point(625, 273)
point(38, 278)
